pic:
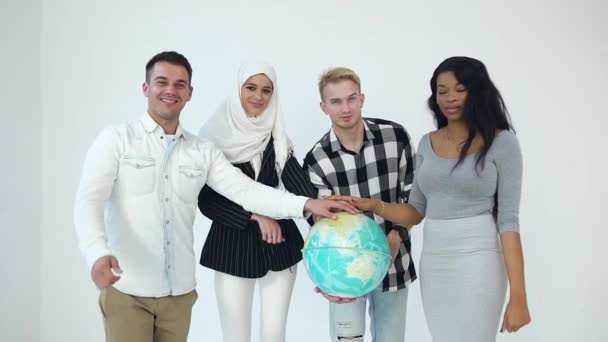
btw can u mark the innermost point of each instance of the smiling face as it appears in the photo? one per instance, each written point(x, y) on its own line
point(451, 96)
point(168, 90)
point(256, 94)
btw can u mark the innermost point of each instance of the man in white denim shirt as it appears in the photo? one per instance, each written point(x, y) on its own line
point(136, 204)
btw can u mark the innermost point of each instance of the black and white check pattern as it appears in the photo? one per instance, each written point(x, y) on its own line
point(383, 169)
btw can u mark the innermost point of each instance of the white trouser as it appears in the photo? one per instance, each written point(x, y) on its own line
point(235, 297)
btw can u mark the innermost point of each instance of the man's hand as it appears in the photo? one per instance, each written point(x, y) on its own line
point(394, 242)
point(102, 274)
point(327, 208)
point(334, 299)
point(270, 229)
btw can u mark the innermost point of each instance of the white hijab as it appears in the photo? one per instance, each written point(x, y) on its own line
point(241, 137)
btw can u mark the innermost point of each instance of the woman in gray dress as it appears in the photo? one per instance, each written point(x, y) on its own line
point(467, 185)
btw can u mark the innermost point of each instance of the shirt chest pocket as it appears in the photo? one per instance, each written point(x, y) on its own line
point(137, 175)
point(190, 181)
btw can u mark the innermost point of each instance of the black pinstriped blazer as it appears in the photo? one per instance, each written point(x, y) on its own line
point(234, 244)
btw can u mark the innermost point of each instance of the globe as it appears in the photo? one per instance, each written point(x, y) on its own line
point(348, 256)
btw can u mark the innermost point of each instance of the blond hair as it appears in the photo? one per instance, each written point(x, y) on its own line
point(334, 75)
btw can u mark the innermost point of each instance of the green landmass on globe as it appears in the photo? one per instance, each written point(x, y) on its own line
point(348, 256)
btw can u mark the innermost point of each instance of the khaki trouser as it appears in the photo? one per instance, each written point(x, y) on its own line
point(146, 319)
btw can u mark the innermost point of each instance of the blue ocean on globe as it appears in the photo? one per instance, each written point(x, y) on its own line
point(348, 256)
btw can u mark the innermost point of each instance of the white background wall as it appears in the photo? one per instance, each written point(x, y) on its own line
point(20, 163)
point(76, 66)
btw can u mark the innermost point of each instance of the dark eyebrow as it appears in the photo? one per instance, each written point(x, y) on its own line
point(163, 78)
point(439, 85)
point(255, 85)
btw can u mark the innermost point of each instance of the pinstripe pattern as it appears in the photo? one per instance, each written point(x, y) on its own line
point(234, 244)
point(383, 169)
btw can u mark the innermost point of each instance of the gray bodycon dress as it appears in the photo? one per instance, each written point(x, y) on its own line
point(462, 274)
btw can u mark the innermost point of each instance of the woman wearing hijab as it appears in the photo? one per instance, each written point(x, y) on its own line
point(245, 248)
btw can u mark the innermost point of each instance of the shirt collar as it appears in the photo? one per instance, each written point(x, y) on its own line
point(150, 126)
point(335, 145)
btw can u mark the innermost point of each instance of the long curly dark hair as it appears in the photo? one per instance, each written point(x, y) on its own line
point(484, 110)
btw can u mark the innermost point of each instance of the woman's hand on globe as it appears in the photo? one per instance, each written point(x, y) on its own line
point(270, 229)
point(364, 204)
point(334, 299)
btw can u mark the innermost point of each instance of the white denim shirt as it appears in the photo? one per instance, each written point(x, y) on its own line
point(138, 196)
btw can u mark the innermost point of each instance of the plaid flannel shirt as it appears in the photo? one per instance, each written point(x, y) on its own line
point(383, 169)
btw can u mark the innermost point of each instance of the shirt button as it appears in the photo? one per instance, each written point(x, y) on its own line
point(166, 176)
point(167, 222)
point(162, 137)
point(166, 199)
point(169, 267)
point(168, 243)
